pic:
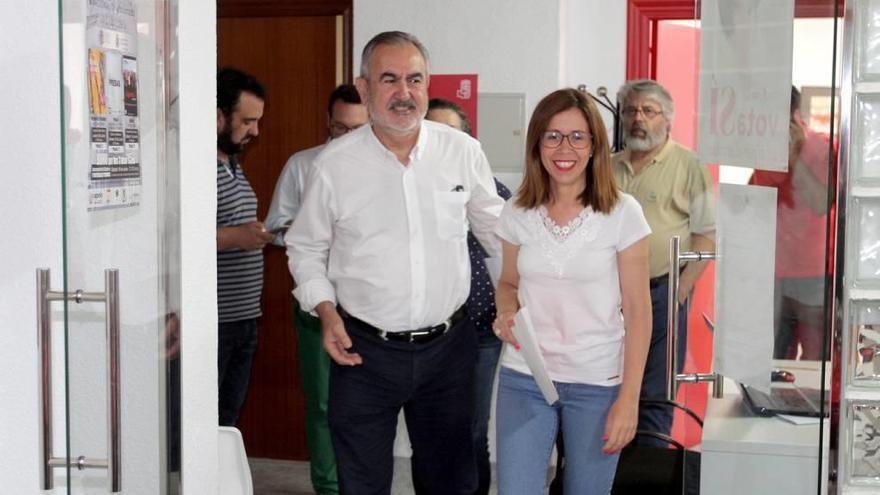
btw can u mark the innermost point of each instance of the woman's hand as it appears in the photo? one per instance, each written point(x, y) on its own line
point(506, 299)
point(503, 327)
point(620, 427)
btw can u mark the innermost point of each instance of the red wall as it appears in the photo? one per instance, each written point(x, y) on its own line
point(678, 69)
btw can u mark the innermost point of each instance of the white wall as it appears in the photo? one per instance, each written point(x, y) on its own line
point(30, 196)
point(197, 52)
point(593, 50)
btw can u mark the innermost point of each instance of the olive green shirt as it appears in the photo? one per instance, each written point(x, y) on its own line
point(677, 197)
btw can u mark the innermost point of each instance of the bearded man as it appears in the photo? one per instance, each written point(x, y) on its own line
point(240, 239)
point(676, 194)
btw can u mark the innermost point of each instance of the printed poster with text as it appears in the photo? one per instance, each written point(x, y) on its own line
point(114, 137)
point(745, 82)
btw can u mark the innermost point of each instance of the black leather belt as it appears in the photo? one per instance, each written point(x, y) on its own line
point(418, 336)
point(662, 279)
point(658, 281)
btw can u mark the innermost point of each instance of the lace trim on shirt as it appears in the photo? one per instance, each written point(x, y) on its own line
point(559, 243)
point(561, 233)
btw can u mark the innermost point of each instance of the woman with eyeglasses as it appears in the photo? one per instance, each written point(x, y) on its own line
point(575, 254)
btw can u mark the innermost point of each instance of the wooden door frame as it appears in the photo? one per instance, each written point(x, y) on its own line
point(642, 17)
point(324, 43)
point(298, 8)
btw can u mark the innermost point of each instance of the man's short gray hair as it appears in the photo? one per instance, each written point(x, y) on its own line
point(390, 38)
point(652, 89)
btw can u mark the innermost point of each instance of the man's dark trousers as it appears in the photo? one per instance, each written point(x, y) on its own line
point(433, 383)
point(658, 418)
point(236, 343)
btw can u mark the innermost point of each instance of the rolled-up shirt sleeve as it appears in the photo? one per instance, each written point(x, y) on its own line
point(308, 245)
point(484, 206)
point(286, 199)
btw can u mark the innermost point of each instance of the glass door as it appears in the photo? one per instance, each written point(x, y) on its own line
point(118, 287)
point(766, 116)
point(753, 83)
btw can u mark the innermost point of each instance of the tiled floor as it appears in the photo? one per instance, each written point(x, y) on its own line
point(275, 477)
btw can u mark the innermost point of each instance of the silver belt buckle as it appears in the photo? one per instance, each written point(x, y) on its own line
point(413, 335)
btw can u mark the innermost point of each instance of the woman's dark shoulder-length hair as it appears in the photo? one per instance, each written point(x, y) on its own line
point(600, 193)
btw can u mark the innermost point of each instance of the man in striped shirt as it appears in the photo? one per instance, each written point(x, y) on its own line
point(240, 239)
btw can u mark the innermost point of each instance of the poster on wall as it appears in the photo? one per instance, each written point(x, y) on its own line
point(745, 82)
point(460, 89)
point(114, 133)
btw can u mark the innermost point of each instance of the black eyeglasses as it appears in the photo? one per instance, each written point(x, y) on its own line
point(339, 129)
point(648, 112)
point(576, 139)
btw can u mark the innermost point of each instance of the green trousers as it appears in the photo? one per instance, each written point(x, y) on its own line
point(314, 371)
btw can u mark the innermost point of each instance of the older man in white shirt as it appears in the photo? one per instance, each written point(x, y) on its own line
point(379, 252)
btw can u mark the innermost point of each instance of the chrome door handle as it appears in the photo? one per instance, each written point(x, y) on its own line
point(673, 378)
point(110, 297)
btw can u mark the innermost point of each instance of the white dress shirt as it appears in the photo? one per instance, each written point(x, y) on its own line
point(289, 191)
point(388, 242)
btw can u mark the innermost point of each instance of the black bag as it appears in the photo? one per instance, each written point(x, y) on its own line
point(645, 469)
point(656, 470)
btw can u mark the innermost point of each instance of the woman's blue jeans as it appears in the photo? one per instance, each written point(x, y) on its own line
point(527, 426)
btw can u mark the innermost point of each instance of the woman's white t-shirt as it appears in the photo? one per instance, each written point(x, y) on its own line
point(568, 279)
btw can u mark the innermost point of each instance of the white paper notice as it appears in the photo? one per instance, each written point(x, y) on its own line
point(528, 341)
point(745, 82)
point(744, 283)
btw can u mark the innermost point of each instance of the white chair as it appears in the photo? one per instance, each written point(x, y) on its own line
point(234, 471)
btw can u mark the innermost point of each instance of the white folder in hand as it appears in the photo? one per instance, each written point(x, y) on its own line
point(528, 342)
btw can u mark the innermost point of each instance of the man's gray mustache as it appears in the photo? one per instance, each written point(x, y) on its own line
point(633, 129)
point(402, 105)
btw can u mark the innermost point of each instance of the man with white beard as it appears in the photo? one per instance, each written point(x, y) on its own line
point(676, 194)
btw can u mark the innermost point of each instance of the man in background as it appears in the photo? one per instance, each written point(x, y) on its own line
point(345, 113)
point(240, 240)
point(801, 241)
point(677, 196)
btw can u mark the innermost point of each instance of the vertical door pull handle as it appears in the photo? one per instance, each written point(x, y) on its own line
point(110, 297)
point(673, 378)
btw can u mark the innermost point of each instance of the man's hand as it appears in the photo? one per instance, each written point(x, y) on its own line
point(335, 338)
point(693, 270)
point(247, 237)
point(684, 289)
